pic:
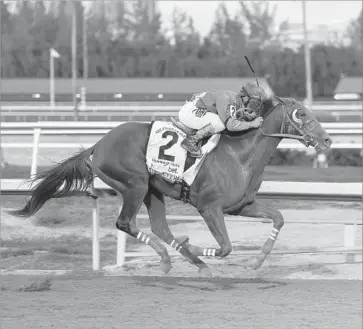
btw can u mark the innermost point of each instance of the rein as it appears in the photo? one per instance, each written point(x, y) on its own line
point(304, 136)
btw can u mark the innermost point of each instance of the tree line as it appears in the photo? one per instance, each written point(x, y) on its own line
point(123, 40)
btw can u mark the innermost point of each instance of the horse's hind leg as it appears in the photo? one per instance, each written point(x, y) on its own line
point(133, 197)
point(155, 205)
point(126, 222)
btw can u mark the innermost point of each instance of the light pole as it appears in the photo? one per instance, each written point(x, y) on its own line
point(74, 60)
point(309, 93)
point(52, 54)
point(85, 48)
point(85, 56)
point(151, 9)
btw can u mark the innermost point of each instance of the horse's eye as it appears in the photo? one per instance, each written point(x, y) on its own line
point(300, 114)
point(296, 116)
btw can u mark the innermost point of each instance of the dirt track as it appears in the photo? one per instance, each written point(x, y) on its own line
point(146, 302)
point(264, 299)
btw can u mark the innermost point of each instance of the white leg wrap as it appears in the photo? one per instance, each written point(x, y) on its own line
point(143, 237)
point(209, 252)
point(175, 245)
point(273, 235)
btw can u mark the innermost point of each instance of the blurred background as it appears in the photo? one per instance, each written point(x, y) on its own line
point(140, 60)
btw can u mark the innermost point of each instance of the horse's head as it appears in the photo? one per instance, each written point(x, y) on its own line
point(298, 122)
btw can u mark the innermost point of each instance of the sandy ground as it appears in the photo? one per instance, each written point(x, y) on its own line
point(181, 303)
point(290, 291)
point(243, 235)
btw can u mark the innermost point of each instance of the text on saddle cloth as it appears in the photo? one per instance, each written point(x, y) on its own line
point(164, 154)
point(166, 157)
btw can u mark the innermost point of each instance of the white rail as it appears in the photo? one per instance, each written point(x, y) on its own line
point(101, 128)
point(13, 186)
point(291, 145)
point(150, 108)
point(268, 188)
point(105, 131)
point(112, 124)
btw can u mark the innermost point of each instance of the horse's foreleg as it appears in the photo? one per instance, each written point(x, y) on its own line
point(155, 205)
point(214, 218)
point(258, 209)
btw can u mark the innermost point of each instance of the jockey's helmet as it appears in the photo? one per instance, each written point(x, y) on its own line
point(252, 96)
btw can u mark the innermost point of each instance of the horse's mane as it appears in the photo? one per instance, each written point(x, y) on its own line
point(267, 107)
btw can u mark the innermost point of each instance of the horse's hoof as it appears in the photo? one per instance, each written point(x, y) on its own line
point(258, 262)
point(165, 266)
point(256, 265)
point(248, 265)
point(182, 239)
point(205, 271)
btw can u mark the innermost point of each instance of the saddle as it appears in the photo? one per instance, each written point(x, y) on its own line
point(188, 131)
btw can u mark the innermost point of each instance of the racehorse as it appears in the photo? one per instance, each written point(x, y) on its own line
point(227, 182)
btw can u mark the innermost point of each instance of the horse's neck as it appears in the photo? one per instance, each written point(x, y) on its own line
point(267, 145)
point(256, 148)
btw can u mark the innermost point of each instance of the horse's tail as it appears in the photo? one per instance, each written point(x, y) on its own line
point(75, 173)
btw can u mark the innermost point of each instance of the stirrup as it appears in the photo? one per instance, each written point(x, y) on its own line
point(195, 154)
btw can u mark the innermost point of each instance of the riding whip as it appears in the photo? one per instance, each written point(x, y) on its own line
point(253, 71)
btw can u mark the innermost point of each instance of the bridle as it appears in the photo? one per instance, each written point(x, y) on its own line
point(304, 130)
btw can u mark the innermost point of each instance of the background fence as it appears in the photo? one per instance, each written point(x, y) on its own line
point(120, 111)
point(352, 131)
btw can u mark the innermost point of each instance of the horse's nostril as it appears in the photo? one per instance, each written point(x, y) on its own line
point(327, 141)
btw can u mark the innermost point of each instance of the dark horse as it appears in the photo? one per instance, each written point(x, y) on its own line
point(227, 182)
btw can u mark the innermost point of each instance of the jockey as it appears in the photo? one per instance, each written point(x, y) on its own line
point(212, 112)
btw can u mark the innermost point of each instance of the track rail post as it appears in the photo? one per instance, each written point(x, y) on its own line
point(95, 235)
point(121, 246)
point(36, 139)
point(349, 241)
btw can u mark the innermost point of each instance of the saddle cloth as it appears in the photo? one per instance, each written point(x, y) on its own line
point(166, 157)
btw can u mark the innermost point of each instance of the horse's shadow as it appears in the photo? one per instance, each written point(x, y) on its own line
point(207, 284)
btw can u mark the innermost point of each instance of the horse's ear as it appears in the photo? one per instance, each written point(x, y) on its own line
point(280, 99)
point(270, 97)
point(266, 107)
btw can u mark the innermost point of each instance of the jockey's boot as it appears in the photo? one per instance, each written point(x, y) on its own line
point(191, 143)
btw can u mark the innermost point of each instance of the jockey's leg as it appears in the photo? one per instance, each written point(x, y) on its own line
point(191, 142)
point(206, 123)
point(259, 210)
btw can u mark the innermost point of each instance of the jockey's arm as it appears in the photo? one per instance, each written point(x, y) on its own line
point(223, 101)
point(217, 100)
point(235, 125)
